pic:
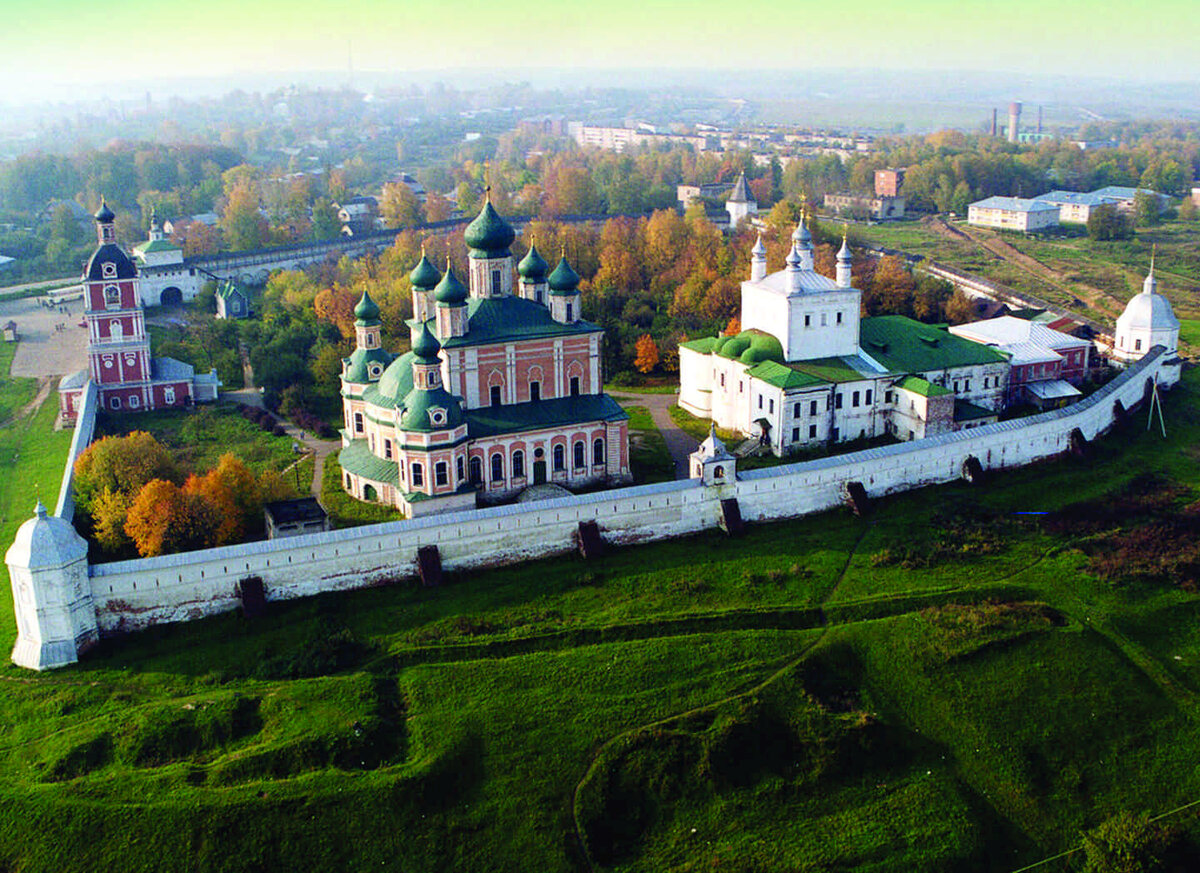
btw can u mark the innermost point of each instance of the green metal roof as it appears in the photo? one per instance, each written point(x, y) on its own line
point(704, 345)
point(917, 385)
point(450, 290)
point(425, 275)
point(158, 245)
point(227, 289)
point(504, 319)
point(783, 376)
point(750, 347)
point(493, 420)
point(833, 370)
point(395, 383)
point(533, 266)
point(489, 235)
point(908, 346)
point(366, 312)
point(964, 410)
point(420, 404)
point(564, 280)
point(360, 360)
point(426, 346)
point(357, 458)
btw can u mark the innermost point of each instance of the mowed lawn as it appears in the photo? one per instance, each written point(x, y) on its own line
point(950, 683)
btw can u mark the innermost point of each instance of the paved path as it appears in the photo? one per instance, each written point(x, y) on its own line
point(679, 443)
point(43, 350)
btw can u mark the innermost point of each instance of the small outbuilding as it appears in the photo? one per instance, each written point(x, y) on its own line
point(232, 301)
point(10, 332)
point(293, 518)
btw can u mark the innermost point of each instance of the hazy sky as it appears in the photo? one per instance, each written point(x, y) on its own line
point(53, 45)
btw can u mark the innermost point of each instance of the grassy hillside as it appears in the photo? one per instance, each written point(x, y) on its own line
point(948, 684)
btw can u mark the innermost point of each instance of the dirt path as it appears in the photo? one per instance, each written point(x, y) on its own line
point(32, 406)
point(680, 443)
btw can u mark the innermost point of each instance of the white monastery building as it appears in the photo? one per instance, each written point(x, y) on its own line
point(501, 391)
point(806, 370)
point(128, 378)
point(165, 280)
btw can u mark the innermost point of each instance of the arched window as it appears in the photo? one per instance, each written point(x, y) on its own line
point(598, 452)
point(112, 295)
point(580, 456)
point(497, 467)
point(560, 458)
point(518, 463)
point(476, 471)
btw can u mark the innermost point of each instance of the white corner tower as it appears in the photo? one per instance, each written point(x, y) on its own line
point(740, 204)
point(1147, 321)
point(56, 615)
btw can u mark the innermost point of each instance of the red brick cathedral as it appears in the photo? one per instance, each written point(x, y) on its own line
point(128, 379)
point(501, 391)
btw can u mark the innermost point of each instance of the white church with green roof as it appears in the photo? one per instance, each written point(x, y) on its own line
point(806, 370)
point(501, 391)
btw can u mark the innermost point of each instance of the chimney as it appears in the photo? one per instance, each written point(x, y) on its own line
point(1014, 120)
point(1039, 119)
point(993, 121)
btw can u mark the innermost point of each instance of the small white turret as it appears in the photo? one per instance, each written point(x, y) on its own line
point(758, 261)
point(795, 264)
point(804, 242)
point(56, 615)
point(844, 262)
point(711, 462)
point(1148, 321)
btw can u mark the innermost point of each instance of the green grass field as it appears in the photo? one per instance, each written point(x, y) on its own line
point(15, 392)
point(947, 684)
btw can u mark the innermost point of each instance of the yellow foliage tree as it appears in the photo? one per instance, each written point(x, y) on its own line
point(647, 354)
point(164, 518)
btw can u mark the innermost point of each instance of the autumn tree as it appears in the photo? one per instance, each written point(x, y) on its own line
point(109, 511)
point(120, 465)
point(399, 206)
point(336, 305)
point(234, 495)
point(164, 518)
point(733, 327)
point(647, 354)
point(243, 225)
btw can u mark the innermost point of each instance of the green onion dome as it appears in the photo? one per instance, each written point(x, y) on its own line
point(104, 214)
point(489, 235)
point(564, 280)
point(426, 346)
point(425, 276)
point(366, 312)
point(533, 266)
point(450, 291)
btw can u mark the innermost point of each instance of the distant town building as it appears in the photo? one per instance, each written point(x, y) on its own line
point(78, 214)
point(1125, 198)
point(618, 139)
point(862, 206)
point(1075, 207)
point(1013, 213)
point(741, 204)
point(359, 215)
point(888, 182)
point(119, 361)
point(687, 194)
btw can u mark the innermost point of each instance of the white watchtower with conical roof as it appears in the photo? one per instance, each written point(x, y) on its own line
point(740, 204)
point(711, 462)
point(1147, 321)
point(52, 596)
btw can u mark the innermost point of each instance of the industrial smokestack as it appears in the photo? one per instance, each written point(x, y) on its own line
point(993, 121)
point(1014, 119)
point(1039, 119)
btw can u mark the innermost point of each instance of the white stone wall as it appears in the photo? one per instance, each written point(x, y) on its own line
point(140, 593)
